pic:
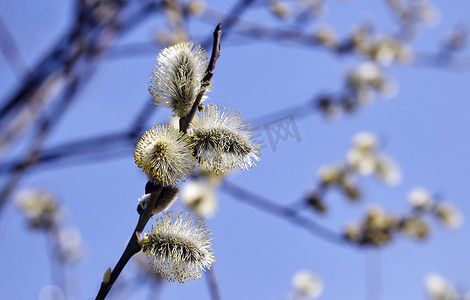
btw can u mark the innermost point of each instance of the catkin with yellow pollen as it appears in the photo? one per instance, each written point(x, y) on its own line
point(179, 250)
point(177, 78)
point(163, 153)
point(221, 140)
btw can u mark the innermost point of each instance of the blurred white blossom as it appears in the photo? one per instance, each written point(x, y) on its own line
point(307, 285)
point(70, 243)
point(367, 79)
point(326, 36)
point(438, 288)
point(365, 141)
point(364, 158)
point(449, 215)
point(329, 174)
point(200, 197)
point(363, 162)
point(40, 207)
point(421, 198)
point(415, 227)
point(280, 8)
point(197, 7)
point(387, 170)
point(361, 156)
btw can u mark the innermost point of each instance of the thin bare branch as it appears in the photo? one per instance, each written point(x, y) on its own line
point(12, 52)
point(133, 246)
point(285, 213)
point(91, 56)
point(118, 142)
point(185, 121)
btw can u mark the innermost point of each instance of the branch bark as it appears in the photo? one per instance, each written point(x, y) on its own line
point(133, 246)
point(185, 121)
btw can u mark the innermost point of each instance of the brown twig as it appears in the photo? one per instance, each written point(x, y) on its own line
point(185, 121)
point(133, 246)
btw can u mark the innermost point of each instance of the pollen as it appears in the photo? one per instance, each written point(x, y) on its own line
point(160, 149)
point(163, 153)
point(222, 141)
point(179, 250)
point(177, 78)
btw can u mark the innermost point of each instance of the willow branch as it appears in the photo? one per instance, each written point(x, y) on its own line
point(185, 121)
point(285, 213)
point(133, 246)
point(35, 148)
point(11, 51)
point(107, 146)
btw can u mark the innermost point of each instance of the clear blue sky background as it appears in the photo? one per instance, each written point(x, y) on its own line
point(426, 127)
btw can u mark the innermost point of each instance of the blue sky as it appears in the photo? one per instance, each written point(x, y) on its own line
point(425, 128)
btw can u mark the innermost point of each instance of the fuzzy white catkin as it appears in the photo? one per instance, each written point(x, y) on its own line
point(421, 198)
point(308, 284)
point(221, 140)
point(179, 250)
point(177, 78)
point(438, 288)
point(163, 153)
point(200, 198)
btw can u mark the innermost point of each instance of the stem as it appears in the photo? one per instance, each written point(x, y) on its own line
point(133, 246)
point(184, 122)
point(213, 284)
point(11, 51)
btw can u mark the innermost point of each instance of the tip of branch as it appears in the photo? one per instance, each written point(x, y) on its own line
point(217, 33)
